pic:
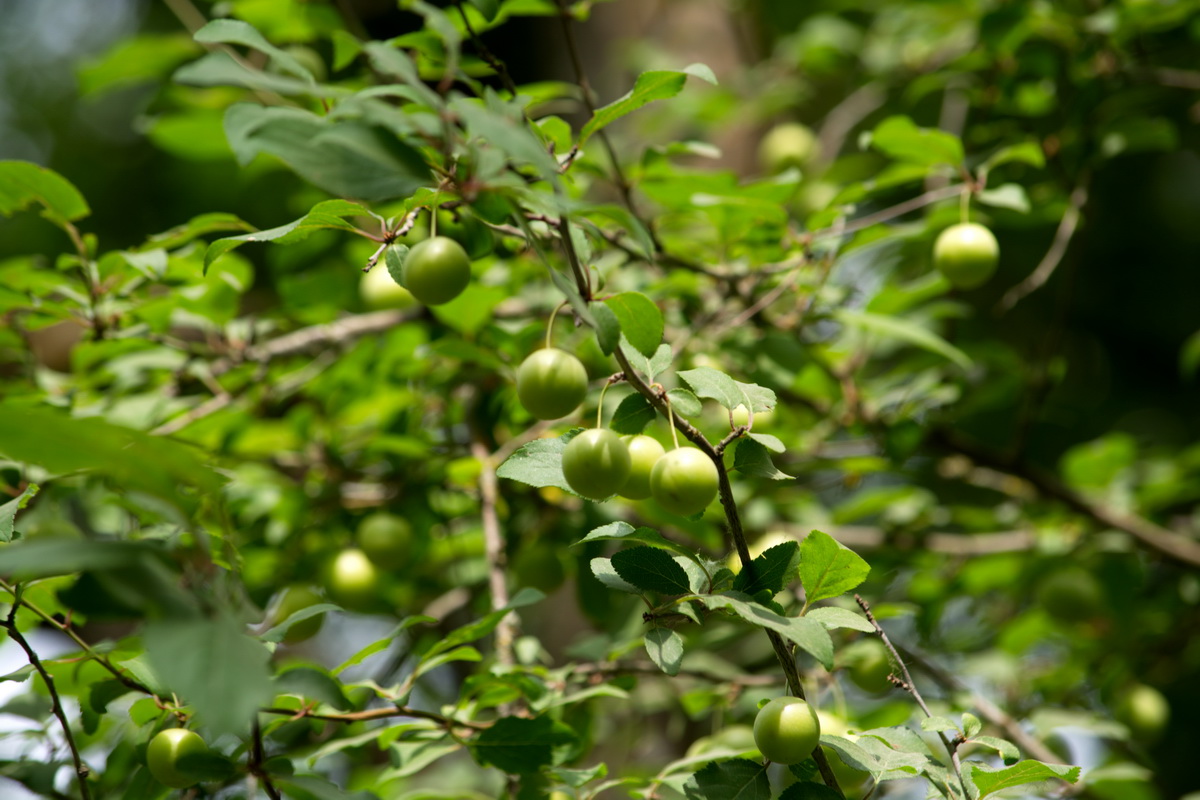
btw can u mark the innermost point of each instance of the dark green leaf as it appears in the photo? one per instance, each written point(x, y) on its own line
point(214, 667)
point(641, 321)
point(346, 157)
point(772, 571)
point(651, 569)
point(517, 745)
point(752, 458)
point(735, 779)
point(134, 460)
point(602, 568)
point(665, 648)
point(624, 532)
point(827, 569)
point(632, 415)
point(809, 790)
point(488, 8)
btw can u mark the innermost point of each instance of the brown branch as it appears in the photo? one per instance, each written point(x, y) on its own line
point(908, 685)
point(81, 769)
point(493, 542)
point(1167, 542)
point(1053, 257)
point(257, 760)
point(900, 209)
point(378, 713)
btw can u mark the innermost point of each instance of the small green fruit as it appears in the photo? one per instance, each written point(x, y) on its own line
point(868, 665)
point(166, 749)
point(786, 730)
point(386, 539)
point(644, 453)
point(437, 270)
point(379, 290)
point(1144, 710)
point(684, 481)
point(551, 383)
point(789, 144)
point(353, 580)
point(1071, 594)
point(289, 601)
point(596, 464)
point(966, 254)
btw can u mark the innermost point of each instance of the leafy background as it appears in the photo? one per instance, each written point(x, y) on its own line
point(967, 446)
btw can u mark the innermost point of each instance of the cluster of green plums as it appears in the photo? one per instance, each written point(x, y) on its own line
point(552, 383)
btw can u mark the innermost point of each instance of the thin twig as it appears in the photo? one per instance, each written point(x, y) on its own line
point(908, 685)
point(493, 544)
point(898, 210)
point(500, 68)
point(81, 769)
point(1169, 543)
point(378, 713)
point(1053, 257)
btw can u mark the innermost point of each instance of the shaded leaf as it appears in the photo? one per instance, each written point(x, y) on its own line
point(665, 648)
point(633, 414)
point(734, 779)
point(517, 745)
point(808, 634)
point(772, 571)
point(651, 569)
point(641, 321)
point(832, 617)
point(8, 511)
point(750, 457)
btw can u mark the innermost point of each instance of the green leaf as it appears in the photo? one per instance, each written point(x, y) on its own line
point(665, 648)
point(752, 458)
point(488, 8)
point(539, 463)
point(485, 625)
point(733, 779)
point(989, 780)
point(608, 327)
point(971, 726)
point(602, 569)
point(132, 459)
point(905, 330)
point(138, 59)
point(641, 321)
point(346, 158)
point(809, 790)
point(1008, 195)
point(232, 31)
point(311, 684)
point(900, 138)
point(650, 86)
point(517, 745)
point(1007, 750)
point(827, 569)
point(194, 228)
point(382, 644)
point(651, 569)
point(938, 724)
point(624, 532)
point(8, 512)
point(327, 215)
point(772, 571)
point(684, 403)
point(833, 617)
point(808, 634)
point(715, 385)
point(313, 787)
point(276, 633)
point(1024, 153)
point(1189, 356)
point(221, 69)
point(633, 414)
point(650, 367)
point(23, 183)
point(214, 667)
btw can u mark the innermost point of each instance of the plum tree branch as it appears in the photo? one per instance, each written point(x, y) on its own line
point(1054, 256)
point(10, 625)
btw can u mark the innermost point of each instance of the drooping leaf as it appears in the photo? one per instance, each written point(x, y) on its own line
point(905, 330)
point(808, 634)
point(517, 745)
point(750, 457)
point(828, 569)
point(665, 648)
point(225, 680)
point(344, 157)
point(330, 214)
